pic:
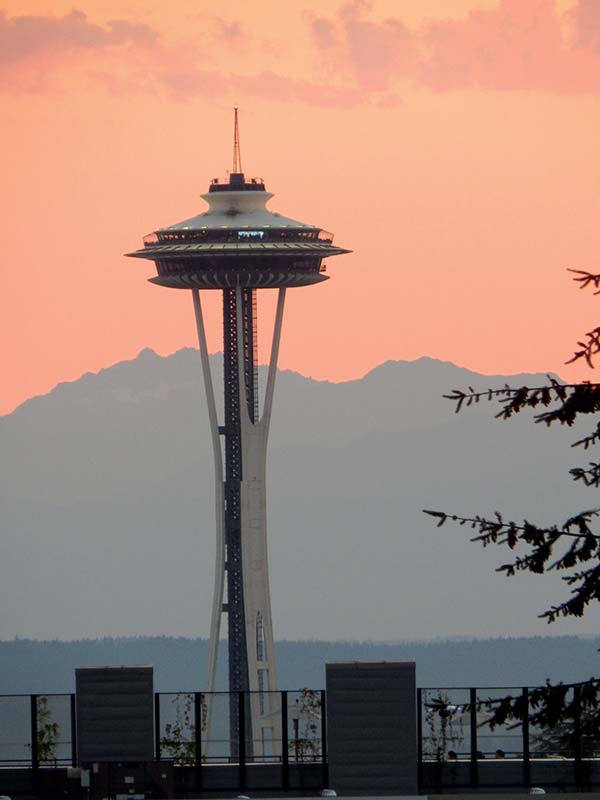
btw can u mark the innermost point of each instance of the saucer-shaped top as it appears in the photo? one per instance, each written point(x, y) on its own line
point(238, 233)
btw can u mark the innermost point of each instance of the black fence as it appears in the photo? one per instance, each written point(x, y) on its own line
point(191, 734)
point(37, 729)
point(459, 747)
point(192, 730)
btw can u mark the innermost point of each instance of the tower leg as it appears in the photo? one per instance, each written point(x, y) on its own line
point(265, 710)
point(265, 420)
point(217, 605)
point(240, 493)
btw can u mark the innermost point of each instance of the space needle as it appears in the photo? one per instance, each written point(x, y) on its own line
point(238, 246)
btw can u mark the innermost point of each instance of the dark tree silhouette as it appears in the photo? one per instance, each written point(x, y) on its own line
point(571, 547)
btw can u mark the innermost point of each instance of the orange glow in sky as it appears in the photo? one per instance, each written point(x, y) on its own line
point(452, 145)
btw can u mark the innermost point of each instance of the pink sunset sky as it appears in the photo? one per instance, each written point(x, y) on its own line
point(452, 145)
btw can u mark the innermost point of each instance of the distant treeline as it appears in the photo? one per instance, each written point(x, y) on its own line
point(28, 666)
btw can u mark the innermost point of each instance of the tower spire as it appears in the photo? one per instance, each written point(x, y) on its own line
point(237, 158)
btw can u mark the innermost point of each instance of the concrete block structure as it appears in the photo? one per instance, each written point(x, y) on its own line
point(115, 714)
point(372, 728)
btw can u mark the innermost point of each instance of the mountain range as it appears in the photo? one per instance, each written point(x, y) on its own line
point(107, 523)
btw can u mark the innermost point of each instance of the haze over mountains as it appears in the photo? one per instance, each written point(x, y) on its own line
point(180, 664)
point(107, 525)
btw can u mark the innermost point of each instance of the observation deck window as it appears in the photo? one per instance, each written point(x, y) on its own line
point(239, 235)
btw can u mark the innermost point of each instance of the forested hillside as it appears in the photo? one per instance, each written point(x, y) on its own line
point(30, 666)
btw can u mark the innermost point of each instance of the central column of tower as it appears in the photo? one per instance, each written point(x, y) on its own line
point(241, 503)
point(234, 353)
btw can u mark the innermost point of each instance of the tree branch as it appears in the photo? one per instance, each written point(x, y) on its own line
point(549, 548)
point(590, 477)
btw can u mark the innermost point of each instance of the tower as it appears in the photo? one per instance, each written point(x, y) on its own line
point(237, 247)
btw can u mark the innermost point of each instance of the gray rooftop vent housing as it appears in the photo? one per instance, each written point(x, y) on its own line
point(115, 714)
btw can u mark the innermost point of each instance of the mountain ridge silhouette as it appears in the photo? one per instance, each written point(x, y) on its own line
point(108, 511)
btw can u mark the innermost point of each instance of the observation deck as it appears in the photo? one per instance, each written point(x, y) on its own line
point(238, 242)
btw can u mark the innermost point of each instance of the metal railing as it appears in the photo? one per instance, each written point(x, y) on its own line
point(37, 730)
point(286, 747)
point(460, 747)
point(290, 735)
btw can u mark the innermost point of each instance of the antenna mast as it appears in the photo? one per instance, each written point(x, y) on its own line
point(237, 158)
